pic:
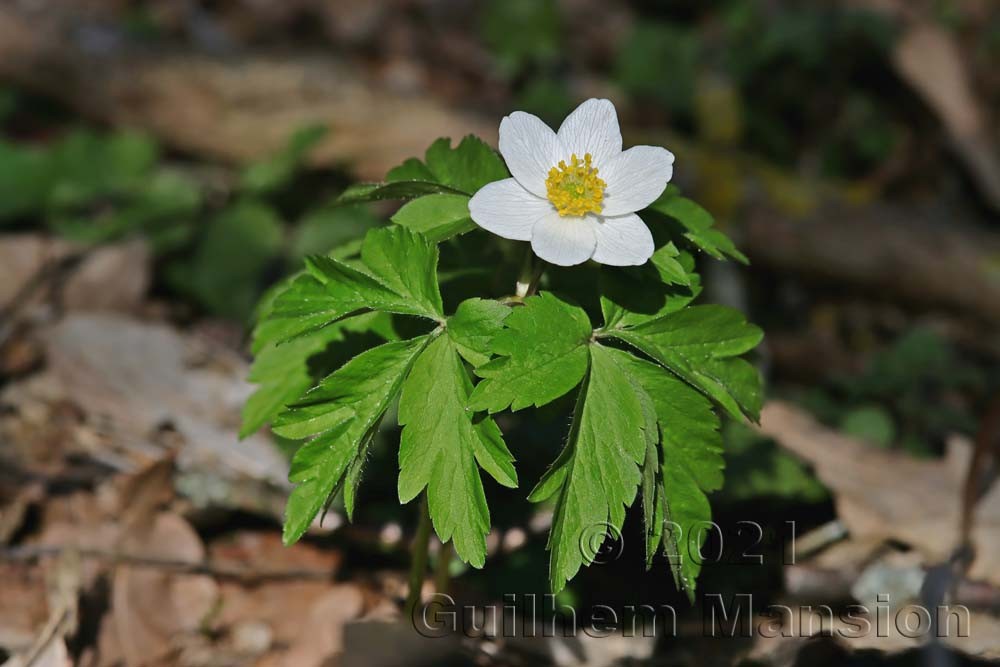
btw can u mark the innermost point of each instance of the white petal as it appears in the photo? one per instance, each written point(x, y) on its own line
point(592, 128)
point(530, 148)
point(507, 209)
point(623, 241)
point(635, 179)
point(564, 241)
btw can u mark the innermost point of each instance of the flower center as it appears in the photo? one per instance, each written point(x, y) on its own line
point(574, 188)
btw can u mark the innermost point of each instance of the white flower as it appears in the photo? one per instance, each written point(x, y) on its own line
point(574, 193)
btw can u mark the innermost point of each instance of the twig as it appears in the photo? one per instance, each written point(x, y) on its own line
point(817, 540)
point(63, 595)
point(984, 461)
point(51, 274)
point(37, 552)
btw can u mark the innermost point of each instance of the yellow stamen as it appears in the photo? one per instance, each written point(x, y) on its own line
point(575, 189)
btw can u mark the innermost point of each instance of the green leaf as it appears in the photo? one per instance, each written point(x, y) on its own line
point(163, 208)
point(652, 503)
point(689, 514)
point(320, 231)
point(398, 274)
point(406, 263)
point(698, 225)
point(688, 424)
point(305, 305)
point(467, 167)
point(543, 355)
point(473, 327)
point(86, 165)
point(739, 379)
point(697, 344)
point(26, 175)
point(283, 375)
point(703, 331)
point(440, 446)
point(277, 172)
point(438, 217)
point(691, 447)
point(282, 371)
point(634, 295)
point(597, 475)
point(651, 512)
point(412, 169)
point(237, 246)
point(360, 193)
point(522, 34)
point(638, 65)
point(671, 270)
point(342, 412)
point(458, 171)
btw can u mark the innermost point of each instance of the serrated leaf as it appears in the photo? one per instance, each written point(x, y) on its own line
point(282, 371)
point(698, 225)
point(698, 343)
point(305, 306)
point(406, 263)
point(438, 217)
point(473, 327)
point(688, 423)
point(342, 413)
point(597, 475)
point(741, 380)
point(704, 331)
point(689, 439)
point(542, 356)
point(672, 271)
point(463, 169)
point(398, 274)
point(411, 169)
point(688, 514)
point(467, 167)
point(283, 375)
point(634, 295)
point(440, 446)
point(491, 450)
point(652, 516)
point(360, 193)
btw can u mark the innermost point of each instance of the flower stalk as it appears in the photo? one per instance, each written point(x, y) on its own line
point(418, 557)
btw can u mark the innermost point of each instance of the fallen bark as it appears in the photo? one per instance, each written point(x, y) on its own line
point(889, 251)
point(236, 109)
point(888, 495)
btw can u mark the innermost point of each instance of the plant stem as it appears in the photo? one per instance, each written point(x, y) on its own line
point(531, 274)
point(418, 562)
point(536, 278)
point(524, 278)
point(442, 569)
